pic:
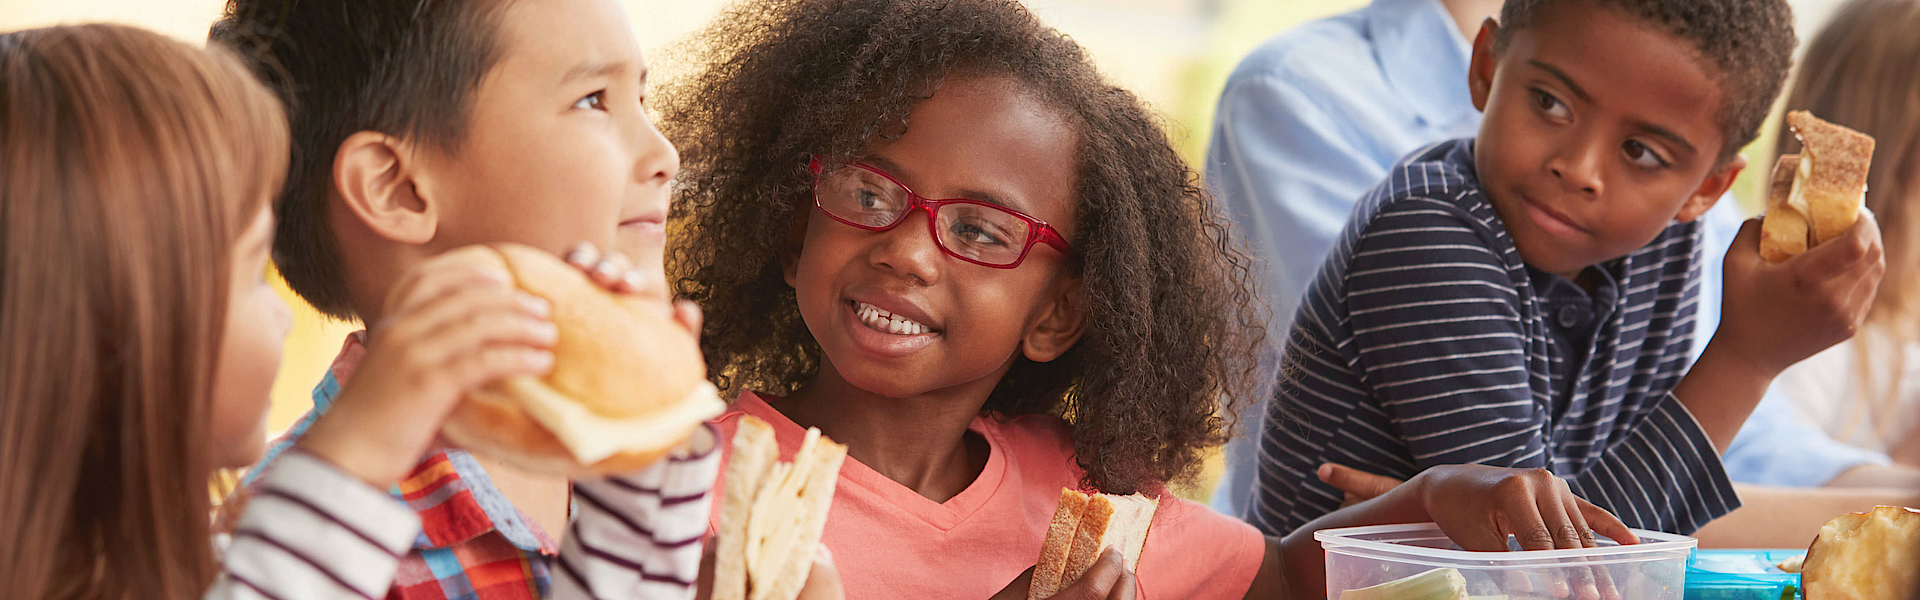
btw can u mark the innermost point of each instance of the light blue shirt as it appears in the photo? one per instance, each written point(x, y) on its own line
point(1314, 117)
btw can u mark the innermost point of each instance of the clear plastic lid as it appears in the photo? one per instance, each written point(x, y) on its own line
point(1423, 544)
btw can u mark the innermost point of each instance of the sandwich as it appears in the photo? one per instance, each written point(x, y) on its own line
point(772, 513)
point(1817, 194)
point(627, 384)
point(1084, 526)
point(1865, 556)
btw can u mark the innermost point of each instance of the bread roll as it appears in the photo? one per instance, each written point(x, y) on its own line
point(627, 383)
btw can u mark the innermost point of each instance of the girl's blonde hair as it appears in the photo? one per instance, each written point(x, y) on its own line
point(1863, 71)
point(129, 165)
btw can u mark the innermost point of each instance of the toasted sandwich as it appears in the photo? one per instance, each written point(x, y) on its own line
point(1826, 187)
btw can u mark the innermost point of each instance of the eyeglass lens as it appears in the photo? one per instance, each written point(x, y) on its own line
point(974, 230)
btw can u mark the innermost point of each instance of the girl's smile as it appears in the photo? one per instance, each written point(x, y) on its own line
point(887, 334)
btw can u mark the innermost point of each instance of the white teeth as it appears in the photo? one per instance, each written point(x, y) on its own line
point(886, 321)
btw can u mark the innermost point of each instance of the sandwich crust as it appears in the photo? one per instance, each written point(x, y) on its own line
point(1838, 179)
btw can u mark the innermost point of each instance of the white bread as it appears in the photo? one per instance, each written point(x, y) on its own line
point(773, 513)
point(627, 384)
point(1865, 556)
point(1783, 233)
point(1105, 521)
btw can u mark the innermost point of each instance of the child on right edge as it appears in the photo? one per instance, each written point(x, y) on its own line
point(1525, 298)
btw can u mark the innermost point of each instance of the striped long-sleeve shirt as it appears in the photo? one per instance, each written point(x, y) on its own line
point(311, 532)
point(1426, 340)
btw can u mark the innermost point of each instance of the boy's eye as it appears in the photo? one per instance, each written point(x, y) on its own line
point(1642, 156)
point(1548, 104)
point(593, 101)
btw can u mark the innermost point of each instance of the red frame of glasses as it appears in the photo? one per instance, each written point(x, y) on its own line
point(1038, 231)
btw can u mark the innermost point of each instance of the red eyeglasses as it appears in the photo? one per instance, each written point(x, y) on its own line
point(978, 232)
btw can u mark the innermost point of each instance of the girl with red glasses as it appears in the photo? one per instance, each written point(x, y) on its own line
point(931, 229)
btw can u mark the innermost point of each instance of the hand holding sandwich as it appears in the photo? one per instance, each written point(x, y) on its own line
point(453, 324)
point(1776, 314)
point(1107, 579)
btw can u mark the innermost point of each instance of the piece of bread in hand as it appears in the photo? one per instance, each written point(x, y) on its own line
point(1783, 233)
point(1865, 556)
point(627, 384)
point(1084, 526)
point(1828, 186)
point(773, 513)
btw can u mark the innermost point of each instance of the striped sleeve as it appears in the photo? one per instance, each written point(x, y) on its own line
point(1439, 341)
point(640, 535)
point(311, 532)
point(1664, 477)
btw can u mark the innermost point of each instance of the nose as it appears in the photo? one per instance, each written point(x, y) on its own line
point(909, 249)
point(657, 161)
point(1577, 167)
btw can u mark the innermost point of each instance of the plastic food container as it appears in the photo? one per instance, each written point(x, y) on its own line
point(1740, 575)
point(1419, 557)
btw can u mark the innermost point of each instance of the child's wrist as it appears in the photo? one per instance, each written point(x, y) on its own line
point(1743, 360)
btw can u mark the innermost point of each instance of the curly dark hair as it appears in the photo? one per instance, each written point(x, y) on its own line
point(1172, 326)
point(1749, 42)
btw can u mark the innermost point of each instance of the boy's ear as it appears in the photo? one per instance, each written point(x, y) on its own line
point(1711, 189)
point(376, 175)
point(1480, 69)
point(1060, 327)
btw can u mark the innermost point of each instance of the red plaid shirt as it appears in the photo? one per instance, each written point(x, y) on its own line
point(474, 545)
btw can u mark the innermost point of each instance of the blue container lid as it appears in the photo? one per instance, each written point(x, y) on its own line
point(1740, 575)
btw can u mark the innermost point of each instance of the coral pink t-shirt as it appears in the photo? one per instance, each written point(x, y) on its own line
point(890, 542)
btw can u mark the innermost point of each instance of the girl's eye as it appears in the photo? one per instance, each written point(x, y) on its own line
point(593, 101)
point(1642, 156)
point(1548, 104)
point(975, 235)
point(872, 201)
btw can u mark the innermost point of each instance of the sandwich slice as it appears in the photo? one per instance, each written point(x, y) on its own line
point(773, 513)
point(1783, 233)
point(1828, 187)
point(1865, 556)
point(1084, 526)
point(627, 384)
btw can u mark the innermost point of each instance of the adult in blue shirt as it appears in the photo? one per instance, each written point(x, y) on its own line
point(1313, 118)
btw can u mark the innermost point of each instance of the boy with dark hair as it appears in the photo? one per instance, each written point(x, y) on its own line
point(1525, 298)
point(421, 126)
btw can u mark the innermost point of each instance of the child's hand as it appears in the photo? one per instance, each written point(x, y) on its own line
point(453, 323)
point(1774, 315)
point(615, 272)
point(1107, 579)
point(1479, 506)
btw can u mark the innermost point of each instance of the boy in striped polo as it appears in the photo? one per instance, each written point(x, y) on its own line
point(1525, 298)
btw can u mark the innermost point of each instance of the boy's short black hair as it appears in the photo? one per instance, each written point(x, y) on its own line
point(1750, 42)
point(407, 68)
